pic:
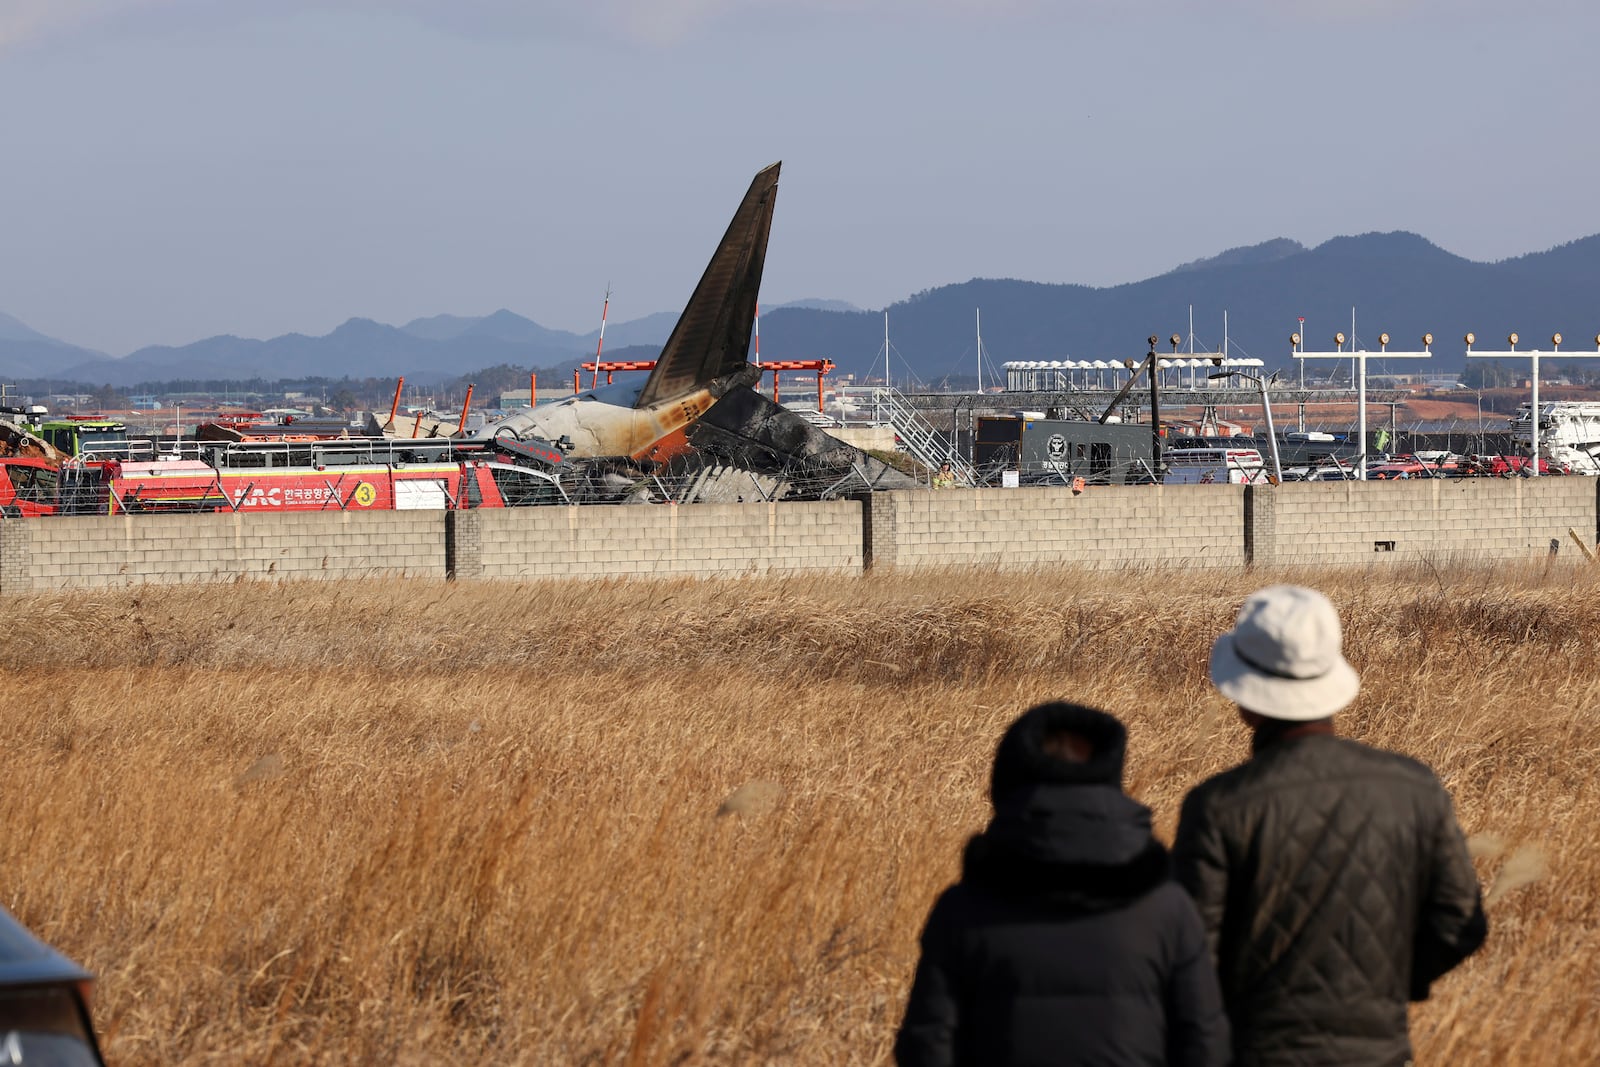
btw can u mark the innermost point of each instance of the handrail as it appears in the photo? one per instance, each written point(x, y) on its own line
point(926, 444)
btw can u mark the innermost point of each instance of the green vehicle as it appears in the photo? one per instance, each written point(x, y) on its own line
point(90, 438)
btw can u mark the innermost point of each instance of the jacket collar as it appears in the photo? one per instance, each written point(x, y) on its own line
point(1276, 731)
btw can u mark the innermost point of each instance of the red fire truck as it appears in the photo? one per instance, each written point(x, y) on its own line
point(30, 486)
point(190, 485)
point(343, 477)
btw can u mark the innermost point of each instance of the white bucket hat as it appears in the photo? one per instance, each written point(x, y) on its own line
point(1284, 657)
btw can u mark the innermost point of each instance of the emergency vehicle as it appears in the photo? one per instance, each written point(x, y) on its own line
point(376, 475)
point(1221, 465)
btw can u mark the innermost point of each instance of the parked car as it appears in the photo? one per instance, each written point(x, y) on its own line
point(44, 1003)
point(1508, 466)
point(1318, 474)
point(1237, 464)
point(1443, 465)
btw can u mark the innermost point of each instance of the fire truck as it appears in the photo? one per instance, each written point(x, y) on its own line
point(350, 475)
point(29, 486)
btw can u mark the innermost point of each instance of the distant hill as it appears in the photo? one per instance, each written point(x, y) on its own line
point(25, 352)
point(506, 325)
point(440, 327)
point(16, 330)
point(817, 305)
point(1266, 252)
point(1396, 282)
point(360, 348)
point(439, 348)
point(650, 330)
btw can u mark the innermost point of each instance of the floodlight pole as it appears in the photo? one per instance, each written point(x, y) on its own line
point(1359, 358)
point(1272, 432)
point(1261, 383)
point(1534, 422)
point(1155, 410)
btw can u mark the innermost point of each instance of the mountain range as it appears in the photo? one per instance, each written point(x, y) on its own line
point(1395, 282)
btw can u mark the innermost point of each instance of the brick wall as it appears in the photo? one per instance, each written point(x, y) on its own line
point(16, 554)
point(1311, 524)
point(1437, 519)
point(1110, 526)
point(701, 540)
point(57, 553)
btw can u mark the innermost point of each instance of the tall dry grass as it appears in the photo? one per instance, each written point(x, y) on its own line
point(416, 822)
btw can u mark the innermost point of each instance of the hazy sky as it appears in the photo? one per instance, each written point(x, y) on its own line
point(172, 169)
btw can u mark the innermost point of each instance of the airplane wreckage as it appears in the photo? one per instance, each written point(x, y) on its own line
point(696, 423)
point(694, 430)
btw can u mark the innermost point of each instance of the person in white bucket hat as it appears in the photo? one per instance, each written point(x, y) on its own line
point(1285, 657)
point(1331, 876)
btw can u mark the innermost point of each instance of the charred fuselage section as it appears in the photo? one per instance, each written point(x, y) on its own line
point(744, 429)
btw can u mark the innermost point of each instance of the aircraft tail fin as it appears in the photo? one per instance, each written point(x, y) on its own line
point(712, 336)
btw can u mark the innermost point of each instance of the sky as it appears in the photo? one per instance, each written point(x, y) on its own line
point(175, 169)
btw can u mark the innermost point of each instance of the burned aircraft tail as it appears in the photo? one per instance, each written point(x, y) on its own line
point(712, 337)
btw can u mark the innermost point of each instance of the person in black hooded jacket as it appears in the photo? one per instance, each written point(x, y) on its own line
point(1064, 942)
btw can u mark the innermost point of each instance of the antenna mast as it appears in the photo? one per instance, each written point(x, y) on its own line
point(600, 346)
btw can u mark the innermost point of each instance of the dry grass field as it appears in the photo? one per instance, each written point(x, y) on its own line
point(414, 822)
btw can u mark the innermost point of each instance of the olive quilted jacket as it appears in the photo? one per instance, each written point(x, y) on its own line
point(1335, 885)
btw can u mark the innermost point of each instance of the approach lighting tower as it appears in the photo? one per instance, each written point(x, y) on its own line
point(1532, 357)
point(1360, 358)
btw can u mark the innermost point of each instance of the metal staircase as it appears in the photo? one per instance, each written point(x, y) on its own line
point(927, 445)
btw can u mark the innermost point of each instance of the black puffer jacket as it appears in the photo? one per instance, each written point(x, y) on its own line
point(1335, 885)
point(1065, 942)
